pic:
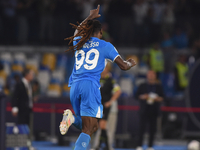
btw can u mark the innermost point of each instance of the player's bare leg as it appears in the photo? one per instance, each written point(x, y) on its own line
point(90, 125)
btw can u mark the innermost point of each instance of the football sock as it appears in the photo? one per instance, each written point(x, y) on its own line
point(82, 142)
point(78, 122)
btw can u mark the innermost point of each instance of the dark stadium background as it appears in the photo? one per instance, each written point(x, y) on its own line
point(37, 33)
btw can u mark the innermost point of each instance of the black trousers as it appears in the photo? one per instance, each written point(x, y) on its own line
point(105, 113)
point(24, 117)
point(151, 120)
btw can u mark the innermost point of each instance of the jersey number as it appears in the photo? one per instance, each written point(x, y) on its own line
point(90, 64)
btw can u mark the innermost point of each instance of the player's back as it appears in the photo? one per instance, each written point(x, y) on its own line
point(90, 60)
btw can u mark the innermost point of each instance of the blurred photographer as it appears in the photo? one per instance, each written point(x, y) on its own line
point(150, 95)
point(110, 92)
point(22, 99)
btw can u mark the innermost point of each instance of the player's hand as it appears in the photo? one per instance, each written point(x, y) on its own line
point(95, 13)
point(133, 63)
point(107, 104)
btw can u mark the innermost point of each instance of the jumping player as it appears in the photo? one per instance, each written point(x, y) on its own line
point(90, 59)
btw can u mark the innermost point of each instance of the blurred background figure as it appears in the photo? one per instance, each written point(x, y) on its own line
point(167, 41)
point(140, 11)
point(106, 36)
point(62, 18)
point(1, 67)
point(150, 96)
point(169, 17)
point(22, 102)
point(196, 48)
point(87, 5)
point(158, 8)
point(112, 121)
point(180, 39)
point(36, 90)
point(110, 92)
point(156, 59)
point(46, 9)
point(9, 21)
point(23, 8)
point(2, 75)
point(181, 72)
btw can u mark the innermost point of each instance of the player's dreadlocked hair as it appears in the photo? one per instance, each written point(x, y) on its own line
point(85, 30)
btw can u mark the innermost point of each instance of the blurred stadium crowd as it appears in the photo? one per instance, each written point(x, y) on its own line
point(157, 28)
point(52, 71)
point(173, 23)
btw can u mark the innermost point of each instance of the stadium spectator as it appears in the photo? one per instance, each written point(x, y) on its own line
point(156, 59)
point(63, 17)
point(150, 95)
point(169, 17)
point(61, 23)
point(181, 72)
point(102, 10)
point(167, 41)
point(180, 39)
point(158, 13)
point(46, 9)
point(112, 19)
point(182, 11)
point(86, 5)
point(159, 8)
point(9, 20)
point(22, 103)
point(149, 26)
point(125, 22)
point(106, 36)
point(140, 11)
point(110, 92)
point(33, 22)
point(196, 48)
point(167, 46)
point(36, 90)
point(23, 7)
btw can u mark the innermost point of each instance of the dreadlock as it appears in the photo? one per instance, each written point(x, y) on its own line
point(85, 30)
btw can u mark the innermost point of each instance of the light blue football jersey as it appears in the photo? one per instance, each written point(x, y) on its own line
point(90, 60)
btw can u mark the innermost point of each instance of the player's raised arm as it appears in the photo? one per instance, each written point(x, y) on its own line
point(125, 65)
point(93, 15)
